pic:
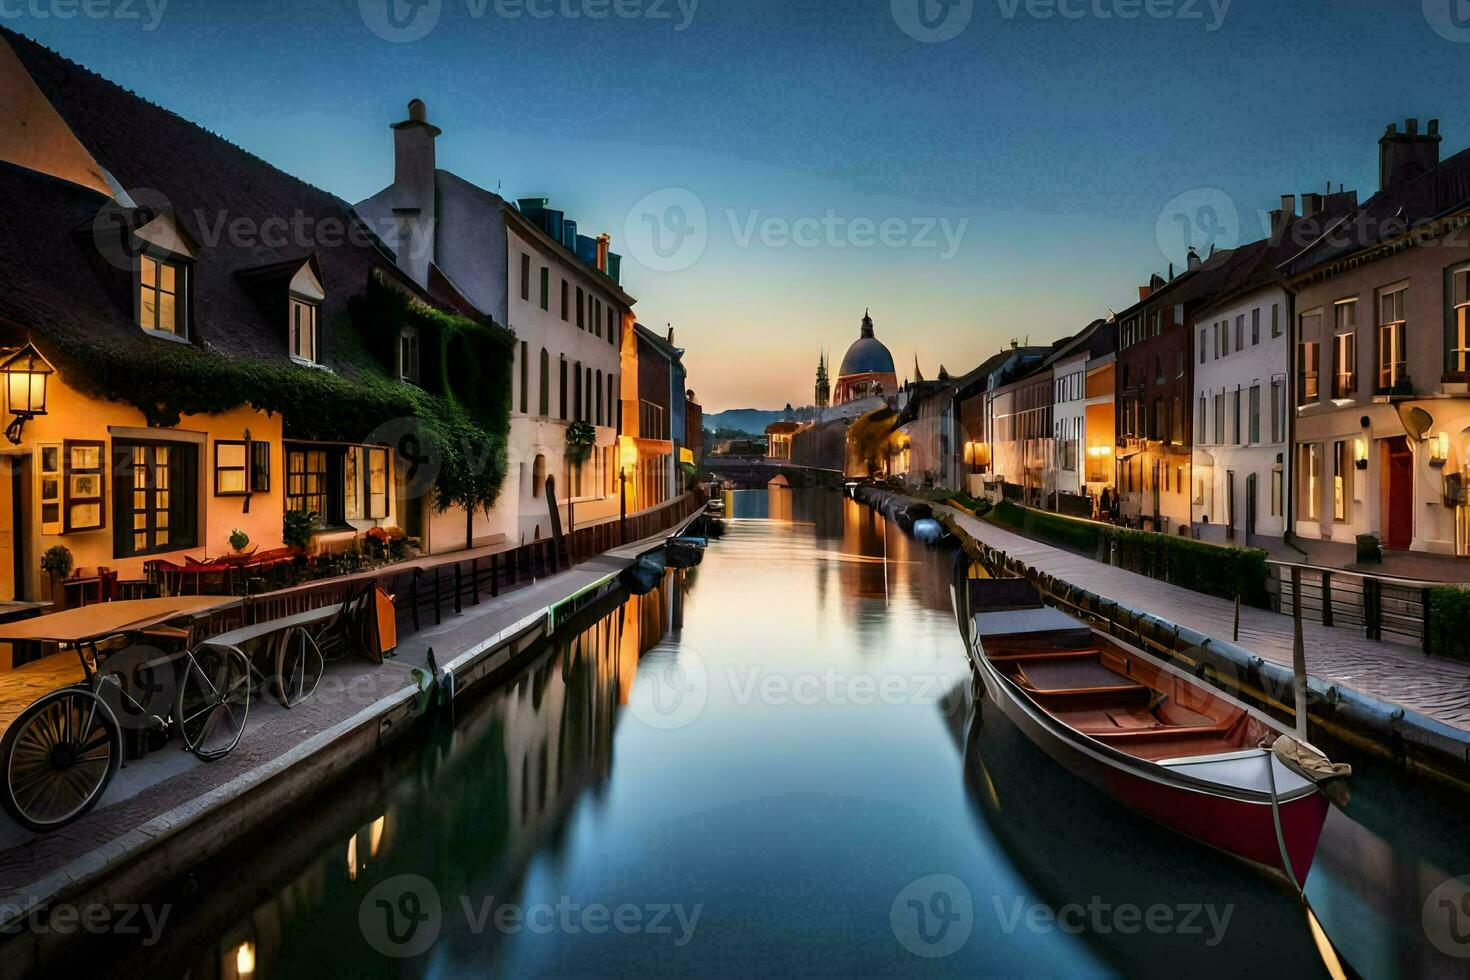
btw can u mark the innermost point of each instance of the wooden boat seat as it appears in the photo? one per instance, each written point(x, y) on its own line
point(1030, 655)
point(1072, 675)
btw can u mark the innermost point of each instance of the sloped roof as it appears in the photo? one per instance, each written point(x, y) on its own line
point(1390, 214)
point(163, 161)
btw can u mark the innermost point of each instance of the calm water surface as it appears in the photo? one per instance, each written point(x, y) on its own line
point(774, 766)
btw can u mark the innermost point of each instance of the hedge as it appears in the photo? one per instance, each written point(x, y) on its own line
point(1446, 621)
point(1213, 569)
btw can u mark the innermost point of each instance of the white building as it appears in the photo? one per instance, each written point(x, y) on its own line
point(1082, 412)
point(526, 267)
point(1241, 392)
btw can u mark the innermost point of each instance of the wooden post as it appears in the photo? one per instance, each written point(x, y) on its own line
point(475, 578)
point(495, 572)
point(1424, 617)
point(1326, 597)
point(413, 597)
point(438, 613)
point(458, 587)
point(1372, 608)
point(1237, 617)
point(1298, 655)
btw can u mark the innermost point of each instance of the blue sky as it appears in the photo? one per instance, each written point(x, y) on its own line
point(1008, 181)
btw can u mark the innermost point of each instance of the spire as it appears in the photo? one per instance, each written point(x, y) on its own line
point(867, 330)
point(918, 375)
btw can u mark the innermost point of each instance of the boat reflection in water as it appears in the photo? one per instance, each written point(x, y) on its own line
point(1088, 859)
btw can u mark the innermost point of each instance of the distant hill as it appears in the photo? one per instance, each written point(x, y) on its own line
point(752, 420)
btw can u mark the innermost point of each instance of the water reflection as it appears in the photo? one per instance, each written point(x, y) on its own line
point(793, 824)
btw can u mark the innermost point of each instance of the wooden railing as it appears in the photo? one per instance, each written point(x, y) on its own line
point(1382, 607)
point(423, 591)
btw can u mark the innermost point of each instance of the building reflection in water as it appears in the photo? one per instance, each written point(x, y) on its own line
point(469, 811)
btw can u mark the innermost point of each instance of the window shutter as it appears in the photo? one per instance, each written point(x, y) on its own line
point(1450, 324)
point(183, 495)
point(122, 498)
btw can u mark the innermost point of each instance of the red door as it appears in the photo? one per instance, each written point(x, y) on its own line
point(1398, 494)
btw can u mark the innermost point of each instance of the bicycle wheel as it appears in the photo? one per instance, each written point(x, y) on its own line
point(213, 701)
point(299, 666)
point(58, 756)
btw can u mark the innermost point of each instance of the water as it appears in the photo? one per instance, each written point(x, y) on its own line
point(774, 767)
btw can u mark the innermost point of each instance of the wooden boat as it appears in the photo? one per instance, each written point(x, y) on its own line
point(1151, 736)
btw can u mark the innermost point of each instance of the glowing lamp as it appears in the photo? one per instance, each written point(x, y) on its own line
point(1360, 453)
point(245, 959)
point(1439, 449)
point(25, 373)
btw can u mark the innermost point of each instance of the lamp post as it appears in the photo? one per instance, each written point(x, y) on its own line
point(622, 505)
point(25, 375)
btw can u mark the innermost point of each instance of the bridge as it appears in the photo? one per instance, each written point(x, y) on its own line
point(758, 471)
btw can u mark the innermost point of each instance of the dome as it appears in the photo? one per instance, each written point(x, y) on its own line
point(867, 355)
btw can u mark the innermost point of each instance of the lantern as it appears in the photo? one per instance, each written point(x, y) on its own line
point(25, 373)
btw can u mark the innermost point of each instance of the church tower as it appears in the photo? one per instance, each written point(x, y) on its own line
point(824, 385)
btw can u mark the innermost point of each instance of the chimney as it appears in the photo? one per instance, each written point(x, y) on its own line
point(1404, 156)
point(1311, 205)
point(1194, 260)
point(671, 335)
point(413, 190)
point(603, 241)
point(1144, 292)
point(1282, 218)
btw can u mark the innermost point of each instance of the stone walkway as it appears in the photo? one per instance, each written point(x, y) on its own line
point(1435, 687)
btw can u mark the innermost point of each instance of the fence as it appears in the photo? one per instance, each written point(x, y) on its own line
point(1382, 607)
point(424, 591)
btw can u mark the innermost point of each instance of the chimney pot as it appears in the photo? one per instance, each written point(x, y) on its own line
point(1434, 127)
point(1411, 127)
point(1288, 203)
point(417, 111)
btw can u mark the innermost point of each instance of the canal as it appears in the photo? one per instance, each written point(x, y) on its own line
point(773, 765)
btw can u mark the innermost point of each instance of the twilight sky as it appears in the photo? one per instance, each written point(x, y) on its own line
point(771, 167)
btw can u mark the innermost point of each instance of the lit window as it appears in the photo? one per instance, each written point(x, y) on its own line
point(408, 355)
point(304, 330)
point(1460, 352)
point(1392, 352)
point(160, 296)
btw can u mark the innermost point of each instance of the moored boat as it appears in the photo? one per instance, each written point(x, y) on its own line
point(1153, 737)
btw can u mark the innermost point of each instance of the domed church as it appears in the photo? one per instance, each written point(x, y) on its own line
point(867, 369)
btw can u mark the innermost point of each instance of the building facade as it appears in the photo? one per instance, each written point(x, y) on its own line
point(866, 370)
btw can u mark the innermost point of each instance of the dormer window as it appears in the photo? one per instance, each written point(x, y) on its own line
point(304, 334)
point(408, 355)
point(161, 296)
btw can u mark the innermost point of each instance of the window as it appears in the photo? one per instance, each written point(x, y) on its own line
point(241, 467)
point(577, 391)
point(1240, 332)
point(306, 481)
point(526, 278)
point(1459, 348)
point(1224, 338)
point(545, 406)
point(161, 296)
point(377, 482)
point(587, 401)
point(1306, 374)
point(545, 288)
point(525, 379)
point(1235, 416)
point(83, 496)
point(1176, 422)
point(352, 483)
point(1276, 319)
point(538, 475)
point(599, 397)
point(408, 354)
point(1342, 467)
point(1392, 357)
point(155, 495)
point(1220, 418)
point(1255, 326)
point(564, 304)
point(1278, 409)
point(304, 335)
point(1275, 493)
point(1255, 413)
point(1203, 334)
point(612, 336)
point(1344, 356)
point(581, 302)
point(48, 487)
point(1203, 422)
point(1311, 459)
point(597, 314)
point(612, 401)
point(562, 390)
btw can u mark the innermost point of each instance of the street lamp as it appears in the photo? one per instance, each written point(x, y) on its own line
point(25, 374)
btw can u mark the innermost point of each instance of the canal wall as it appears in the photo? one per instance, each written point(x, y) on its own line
point(1336, 710)
point(126, 867)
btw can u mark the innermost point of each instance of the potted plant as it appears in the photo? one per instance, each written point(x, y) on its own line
point(297, 528)
point(239, 540)
point(56, 563)
point(581, 437)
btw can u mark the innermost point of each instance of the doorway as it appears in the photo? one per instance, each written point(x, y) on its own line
point(1396, 462)
point(14, 528)
point(1250, 506)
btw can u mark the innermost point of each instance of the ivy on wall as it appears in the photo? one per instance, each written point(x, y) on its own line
point(463, 408)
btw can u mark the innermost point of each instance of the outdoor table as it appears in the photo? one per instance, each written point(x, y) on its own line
point(15, 609)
